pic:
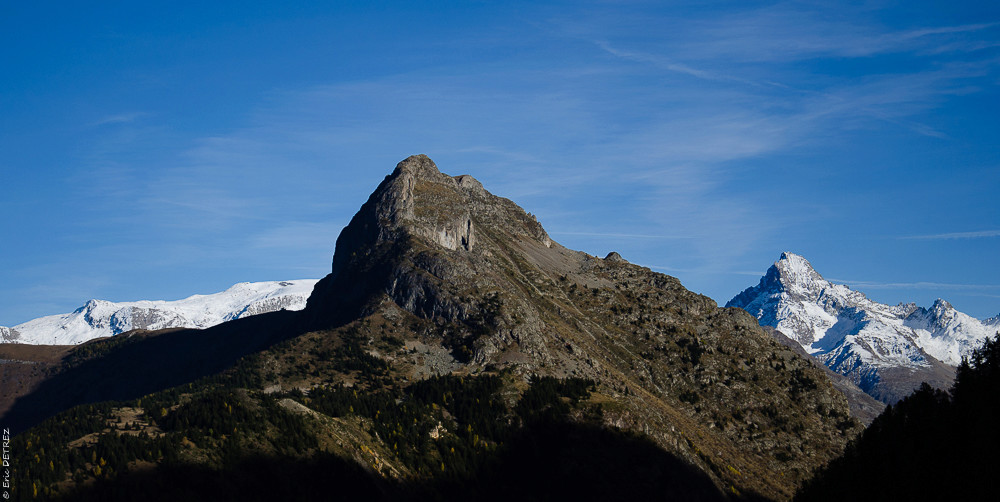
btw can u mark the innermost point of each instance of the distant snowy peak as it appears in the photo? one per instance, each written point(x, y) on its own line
point(98, 318)
point(948, 334)
point(794, 270)
point(854, 335)
point(796, 300)
point(993, 322)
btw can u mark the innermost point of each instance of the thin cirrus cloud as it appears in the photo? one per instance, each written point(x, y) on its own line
point(918, 285)
point(702, 270)
point(981, 234)
point(790, 109)
point(625, 236)
point(737, 117)
point(775, 34)
point(299, 235)
point(119, 118)
point(680, 155)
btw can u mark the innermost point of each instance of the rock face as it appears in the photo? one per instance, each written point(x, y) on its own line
point(705, 383)
point(417, 240)
point(886, 350)
point(100, 318)
point(9, 334)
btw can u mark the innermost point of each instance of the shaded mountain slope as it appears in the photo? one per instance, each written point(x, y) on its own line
point(138, 363)
point(23, 367)
point(544, 462)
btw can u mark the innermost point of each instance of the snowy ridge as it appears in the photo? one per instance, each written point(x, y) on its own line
point(853, 335)
point(98, 318)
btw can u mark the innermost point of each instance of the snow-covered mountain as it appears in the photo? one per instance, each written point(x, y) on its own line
point(99, 318)
point(886, 350)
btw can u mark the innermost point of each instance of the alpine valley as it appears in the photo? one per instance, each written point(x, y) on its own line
point(888, 351)
point(455, 351)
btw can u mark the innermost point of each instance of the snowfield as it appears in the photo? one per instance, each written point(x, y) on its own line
point(99, 318)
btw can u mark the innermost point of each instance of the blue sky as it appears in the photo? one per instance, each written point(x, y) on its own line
point(157, 150)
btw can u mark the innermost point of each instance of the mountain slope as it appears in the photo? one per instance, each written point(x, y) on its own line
point(450, 325)
point(886, 350)
point(863, 406)
point(99, 318)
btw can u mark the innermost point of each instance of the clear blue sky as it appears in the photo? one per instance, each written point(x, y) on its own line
point(156, 150)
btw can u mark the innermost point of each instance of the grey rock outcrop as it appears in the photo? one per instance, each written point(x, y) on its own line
point(9, 334)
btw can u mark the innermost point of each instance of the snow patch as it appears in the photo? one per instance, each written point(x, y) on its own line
point(100, 318)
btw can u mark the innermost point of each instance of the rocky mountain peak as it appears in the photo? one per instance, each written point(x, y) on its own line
point(423, 232)
point(614, 257)
point(794, 269)
point(420, 166)
point(792, 275)
point(418, 201)
point(941, 307)
point(886, 350)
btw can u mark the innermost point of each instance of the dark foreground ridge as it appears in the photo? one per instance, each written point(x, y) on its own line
point(553, 461)
point(932, 445)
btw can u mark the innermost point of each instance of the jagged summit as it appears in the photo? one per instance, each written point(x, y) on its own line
point(419, 201)
point(886, 350)
point(941, 306)
point(792, 271)
point(420, 166)
point(452, 223)
point(794, 276)
point(795, 269)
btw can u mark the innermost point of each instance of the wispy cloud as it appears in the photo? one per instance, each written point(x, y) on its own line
point(624, 236)
point(981, 234)
point(658, 61)
point(787, 34)
point(299, 235)
point(666, 63)
point(120, 118)
point(917, 285)
point(710, 271)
